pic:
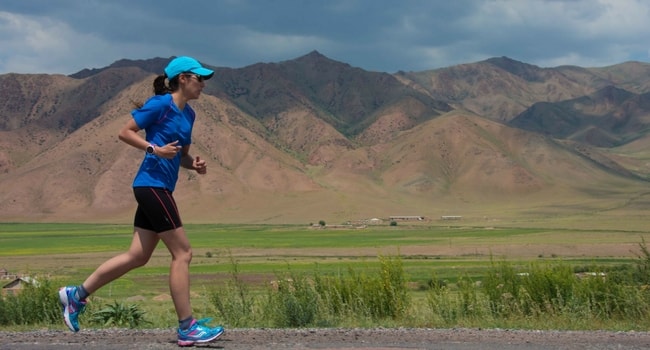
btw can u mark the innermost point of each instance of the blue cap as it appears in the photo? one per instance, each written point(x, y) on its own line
point(186, 64)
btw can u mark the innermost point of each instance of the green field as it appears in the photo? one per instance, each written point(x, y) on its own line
point(67, 253)
point(71, 251)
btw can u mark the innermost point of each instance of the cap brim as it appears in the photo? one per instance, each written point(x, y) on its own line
point(204, 72)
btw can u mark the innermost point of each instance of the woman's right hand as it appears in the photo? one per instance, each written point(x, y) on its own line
point(168, 151)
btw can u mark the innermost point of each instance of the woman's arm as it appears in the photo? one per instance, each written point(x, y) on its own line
point(130, 135)
point(188, 162)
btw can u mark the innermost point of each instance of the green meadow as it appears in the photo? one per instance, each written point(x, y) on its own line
point(256, 256)
point(71, 251)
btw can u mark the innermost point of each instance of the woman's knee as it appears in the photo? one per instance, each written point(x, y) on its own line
point(184, 255)
point(138, 259)
point(178, 245)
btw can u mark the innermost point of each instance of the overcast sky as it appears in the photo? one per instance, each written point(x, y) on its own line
point(65, 36)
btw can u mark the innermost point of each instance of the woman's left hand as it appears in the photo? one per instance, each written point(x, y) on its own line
point(199, 165)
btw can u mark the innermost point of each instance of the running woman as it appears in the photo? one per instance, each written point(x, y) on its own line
point(167, 120)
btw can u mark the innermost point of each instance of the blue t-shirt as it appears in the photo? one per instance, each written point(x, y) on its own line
point(163, 123)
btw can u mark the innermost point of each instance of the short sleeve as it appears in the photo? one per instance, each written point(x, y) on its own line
point(150, 112)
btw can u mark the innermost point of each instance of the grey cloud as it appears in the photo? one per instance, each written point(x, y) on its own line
point(381, 35)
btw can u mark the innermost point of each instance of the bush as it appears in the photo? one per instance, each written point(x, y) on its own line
point(294, 304)
point(233, 301)
point(642, 273)
point(502, 288)
point(37, 303)
point(449, 308)
point(544, 291)
point(383, 295)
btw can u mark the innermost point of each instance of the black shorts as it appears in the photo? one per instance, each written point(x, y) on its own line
point(157, 209)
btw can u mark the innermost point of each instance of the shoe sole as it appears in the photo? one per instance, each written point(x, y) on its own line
point(192, 342)
point(63, 299)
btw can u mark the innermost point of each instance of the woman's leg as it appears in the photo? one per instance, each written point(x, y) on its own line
point(142, 246)
point(179, 272)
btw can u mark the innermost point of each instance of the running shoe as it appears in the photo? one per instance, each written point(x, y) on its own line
point(198, 332)
point(72, 307)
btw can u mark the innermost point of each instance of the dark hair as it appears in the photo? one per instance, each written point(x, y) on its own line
point(160, 88)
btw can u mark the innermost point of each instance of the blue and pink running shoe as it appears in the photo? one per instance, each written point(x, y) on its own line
point(198, 332)
point(72, 307)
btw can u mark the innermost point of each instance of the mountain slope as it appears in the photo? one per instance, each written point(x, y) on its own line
point(502, 88)
point(309, 139)
point(345, 97)
point(607, 118)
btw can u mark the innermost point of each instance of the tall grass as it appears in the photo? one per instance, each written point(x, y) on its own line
point(301, 300)
point(534, 295)
point(537, 293)
point(234, 301)
point(542, 295)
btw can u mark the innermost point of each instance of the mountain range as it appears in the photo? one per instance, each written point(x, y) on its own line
point(313, 139)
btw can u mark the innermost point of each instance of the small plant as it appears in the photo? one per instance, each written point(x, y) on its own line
point(119, 315)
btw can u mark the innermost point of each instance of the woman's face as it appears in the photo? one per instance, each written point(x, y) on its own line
point(191, 84)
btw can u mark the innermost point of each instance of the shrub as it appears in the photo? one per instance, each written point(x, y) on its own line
point(546, 288)
point(556, 291)
point(451, 307)
point(295, 303)
point(119, 315)
point(233, 301)
point(502, 288)
point(37, 303)
point(383, 295)
point(642, 274)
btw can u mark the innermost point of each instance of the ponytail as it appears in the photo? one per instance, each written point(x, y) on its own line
point(160, 88)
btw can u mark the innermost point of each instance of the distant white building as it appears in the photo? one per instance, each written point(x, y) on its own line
point(406, 218)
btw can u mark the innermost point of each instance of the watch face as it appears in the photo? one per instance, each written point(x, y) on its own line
point(150, 149)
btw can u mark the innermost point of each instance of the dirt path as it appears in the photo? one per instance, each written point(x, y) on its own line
point(332, 339)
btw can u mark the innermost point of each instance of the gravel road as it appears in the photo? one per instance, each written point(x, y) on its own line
point(332, 339)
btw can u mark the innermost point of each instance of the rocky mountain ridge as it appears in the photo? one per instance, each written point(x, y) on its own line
point(312, 138)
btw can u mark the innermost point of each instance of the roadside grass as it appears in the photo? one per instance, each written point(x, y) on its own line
point(295, 272)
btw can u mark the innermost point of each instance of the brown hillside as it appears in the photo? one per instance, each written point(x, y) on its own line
point(500, 88)
point(631, 76)
point(609, 117)
point(289, 143)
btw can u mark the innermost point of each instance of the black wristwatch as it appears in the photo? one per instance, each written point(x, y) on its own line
point(151, 149)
